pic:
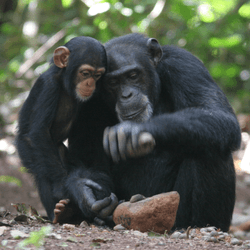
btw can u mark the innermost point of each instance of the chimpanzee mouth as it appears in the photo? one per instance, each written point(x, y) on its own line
point(132, 116)
point(141, 115)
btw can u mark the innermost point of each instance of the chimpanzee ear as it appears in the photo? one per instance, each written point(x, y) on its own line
point(61, 55)
point(155, 50)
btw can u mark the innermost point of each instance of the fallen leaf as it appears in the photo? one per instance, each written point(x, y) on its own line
point(20, 207)
point(21, 218)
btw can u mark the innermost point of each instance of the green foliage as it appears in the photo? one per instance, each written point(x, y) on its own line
point(225, 42)
point(10, 179)
point(36, 238)
point(217, 31)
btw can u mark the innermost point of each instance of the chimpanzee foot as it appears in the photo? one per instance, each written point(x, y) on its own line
point(62, 212)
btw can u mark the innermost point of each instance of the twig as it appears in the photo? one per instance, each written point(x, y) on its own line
point(42, 50)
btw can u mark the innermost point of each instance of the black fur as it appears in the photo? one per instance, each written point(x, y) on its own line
point(47, 116)
point(194, 127)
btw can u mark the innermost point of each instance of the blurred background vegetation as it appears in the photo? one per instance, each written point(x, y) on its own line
point(216, 31)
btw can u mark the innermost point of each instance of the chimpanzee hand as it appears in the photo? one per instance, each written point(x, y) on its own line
point(90, 191)
point(126, 140)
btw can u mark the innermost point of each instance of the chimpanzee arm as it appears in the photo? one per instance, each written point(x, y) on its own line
point(91, 189)
point(200, 117)
point(38, 152)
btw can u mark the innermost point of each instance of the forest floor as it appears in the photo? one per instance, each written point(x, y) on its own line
point(13, 234)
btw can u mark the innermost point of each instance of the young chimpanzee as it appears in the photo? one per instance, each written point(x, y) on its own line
point(168, 93)
point(47, 117)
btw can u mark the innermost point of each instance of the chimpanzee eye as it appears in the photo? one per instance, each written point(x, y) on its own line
point(133, 75)
point(98, 75)
point(85, 74)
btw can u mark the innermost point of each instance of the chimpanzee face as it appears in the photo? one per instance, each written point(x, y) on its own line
point(81, 79)
point(86, 79)
point(132, 81)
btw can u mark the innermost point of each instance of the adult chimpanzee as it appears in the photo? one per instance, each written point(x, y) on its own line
point(48, 114)
point(168, 93)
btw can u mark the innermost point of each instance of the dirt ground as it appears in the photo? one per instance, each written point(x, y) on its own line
point(86, 236)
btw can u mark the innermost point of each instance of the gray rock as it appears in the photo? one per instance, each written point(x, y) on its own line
point(175, 235)
point(211, 229)
point(183, 236)
point(235, 241)
point(221, 237)
point(214, 233)
point(119, 227)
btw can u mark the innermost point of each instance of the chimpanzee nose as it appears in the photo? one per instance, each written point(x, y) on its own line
point(127, 93)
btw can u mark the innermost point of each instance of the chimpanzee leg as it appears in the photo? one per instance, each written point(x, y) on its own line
point(207, 193)
point(50, 194)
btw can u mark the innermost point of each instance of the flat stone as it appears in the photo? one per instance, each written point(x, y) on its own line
point(156, 213)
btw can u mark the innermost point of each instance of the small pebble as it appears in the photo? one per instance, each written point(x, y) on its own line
point(235, 241)
point(119, 227)
point(239, 234)
point(183, 236)
point(84, 224)
point(221, 237)
point(193, 231)
point(175, 235)
point(16, 234)
point(55, 236)
point(203, 230)
point(68, 226)
point(214, 233)
point(206, 238)
point(206, 234)
point(4, 243)
point(211, 229)
point(215, 240)
point(161, 243)
point(138, 233)
point(210, 239)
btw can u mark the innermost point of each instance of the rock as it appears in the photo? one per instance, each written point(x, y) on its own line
point(245, 226)
point(175, 235)
point(119, 227)
point(235, 241)
point(16, 234)
point(156, 213)
point(68, 226)
point(214, 233)
point(84, 224)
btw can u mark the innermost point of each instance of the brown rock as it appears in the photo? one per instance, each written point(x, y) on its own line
point(156, 213)
point(245, 226)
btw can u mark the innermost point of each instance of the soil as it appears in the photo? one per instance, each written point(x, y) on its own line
point(85, 236)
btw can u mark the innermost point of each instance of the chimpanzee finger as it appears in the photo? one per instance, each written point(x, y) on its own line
point(106, 141)
point(89, 196)
point(100, 204)
point(99, 222)
point(109, 210)
point(93, 184)
point(113, 145)
point(130, 152)
point(121, 138)
point(146, 143)
point(135, 132)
